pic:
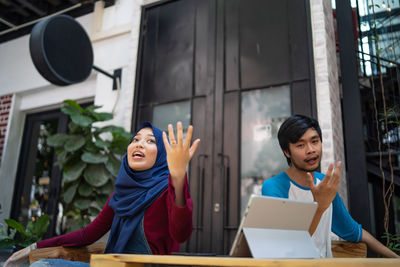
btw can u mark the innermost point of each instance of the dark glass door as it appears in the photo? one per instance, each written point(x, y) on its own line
point(38, 181)
point(175, 81)
point(235, 70)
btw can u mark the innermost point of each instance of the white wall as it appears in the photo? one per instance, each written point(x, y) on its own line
point(114, 32)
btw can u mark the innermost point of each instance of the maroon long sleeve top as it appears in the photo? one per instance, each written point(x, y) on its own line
point(165, 225)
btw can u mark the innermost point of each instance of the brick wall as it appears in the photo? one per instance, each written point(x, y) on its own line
point(5, 106)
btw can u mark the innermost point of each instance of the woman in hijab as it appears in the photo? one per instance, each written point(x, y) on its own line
point(150, 211)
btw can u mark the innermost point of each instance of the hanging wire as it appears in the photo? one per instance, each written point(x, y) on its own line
point(387, 193)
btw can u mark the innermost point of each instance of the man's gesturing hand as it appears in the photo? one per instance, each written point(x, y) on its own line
point(326, 190)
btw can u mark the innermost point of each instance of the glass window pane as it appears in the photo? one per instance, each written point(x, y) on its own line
point(35, 197)
point(263, 111)
point(171, 113)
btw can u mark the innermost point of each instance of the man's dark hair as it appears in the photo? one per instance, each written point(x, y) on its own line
point(293, 128)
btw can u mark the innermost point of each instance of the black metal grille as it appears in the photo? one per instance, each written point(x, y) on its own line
point(14, 13)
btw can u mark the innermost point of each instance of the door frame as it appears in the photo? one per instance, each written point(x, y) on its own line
point(27, 158)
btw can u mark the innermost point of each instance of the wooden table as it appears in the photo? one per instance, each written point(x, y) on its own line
point(132, 260)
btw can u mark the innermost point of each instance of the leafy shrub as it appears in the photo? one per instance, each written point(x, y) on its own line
point(90, 158)
point(18, 235)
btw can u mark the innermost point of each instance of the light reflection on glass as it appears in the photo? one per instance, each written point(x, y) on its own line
point(263, 111)
point(35, 197)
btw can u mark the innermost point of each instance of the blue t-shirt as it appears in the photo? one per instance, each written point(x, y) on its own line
point(336, 217)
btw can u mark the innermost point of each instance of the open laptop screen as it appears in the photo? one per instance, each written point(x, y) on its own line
point(272, 213)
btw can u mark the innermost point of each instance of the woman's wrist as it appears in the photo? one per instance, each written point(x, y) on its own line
point(178, 184)
point(179, 199)
point(178, 178)
point(33, 246)
point(178, 174)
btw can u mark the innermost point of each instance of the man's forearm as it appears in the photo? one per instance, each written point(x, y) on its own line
point(314, 224)
point(377, 246)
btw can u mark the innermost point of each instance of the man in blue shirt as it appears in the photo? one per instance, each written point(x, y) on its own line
point(301, 141)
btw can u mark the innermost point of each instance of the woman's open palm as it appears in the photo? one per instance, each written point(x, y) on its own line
point(179, 151)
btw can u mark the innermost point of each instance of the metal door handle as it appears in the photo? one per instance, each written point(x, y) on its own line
point(200, 196)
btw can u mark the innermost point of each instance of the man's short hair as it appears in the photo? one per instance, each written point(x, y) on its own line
point(293, 128)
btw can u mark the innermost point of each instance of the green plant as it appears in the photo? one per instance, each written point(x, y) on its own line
point(392, 115)
point(15, 234)
point(90, 158)
point(394, 241)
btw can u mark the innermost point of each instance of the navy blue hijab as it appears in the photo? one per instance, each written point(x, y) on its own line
point(134, 191)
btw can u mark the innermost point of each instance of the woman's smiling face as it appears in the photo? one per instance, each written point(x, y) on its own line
point(142, 151)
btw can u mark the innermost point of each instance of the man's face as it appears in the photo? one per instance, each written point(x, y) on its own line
point(306, 153)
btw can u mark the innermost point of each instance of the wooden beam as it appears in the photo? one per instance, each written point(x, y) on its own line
point(344, 249)
point(98, 260)
point(72, 254)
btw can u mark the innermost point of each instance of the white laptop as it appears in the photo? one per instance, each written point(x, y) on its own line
point(275, 228)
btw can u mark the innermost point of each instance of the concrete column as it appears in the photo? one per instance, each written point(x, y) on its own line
point(328, 89)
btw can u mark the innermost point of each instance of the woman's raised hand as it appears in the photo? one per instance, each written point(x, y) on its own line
point(179, 153)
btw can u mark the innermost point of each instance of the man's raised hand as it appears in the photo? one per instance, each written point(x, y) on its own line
point(326, 190)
